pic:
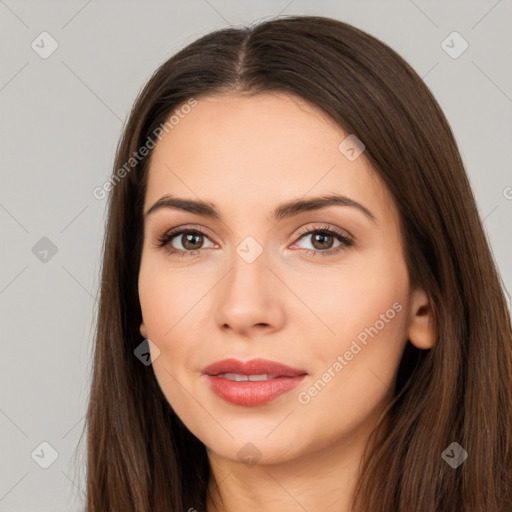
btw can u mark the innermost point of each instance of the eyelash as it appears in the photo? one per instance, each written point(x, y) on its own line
point(346, 241)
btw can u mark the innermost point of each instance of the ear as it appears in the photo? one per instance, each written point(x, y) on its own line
point(143, 330)
point(421, 332)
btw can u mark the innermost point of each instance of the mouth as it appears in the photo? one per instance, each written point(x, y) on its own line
point(251, 383)
point(240, 377)
point(252, 368)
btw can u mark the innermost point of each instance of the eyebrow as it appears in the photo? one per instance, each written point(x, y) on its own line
point(283, 211)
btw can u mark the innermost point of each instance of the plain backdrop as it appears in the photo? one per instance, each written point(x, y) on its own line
point(61, 117)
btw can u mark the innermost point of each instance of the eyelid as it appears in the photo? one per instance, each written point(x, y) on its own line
point(325, 227)
point(187, 227)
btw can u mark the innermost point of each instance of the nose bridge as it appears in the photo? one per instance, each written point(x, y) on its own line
point(249, 272)
point(248, 295)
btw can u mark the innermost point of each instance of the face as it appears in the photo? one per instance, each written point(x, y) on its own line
point(324, 291)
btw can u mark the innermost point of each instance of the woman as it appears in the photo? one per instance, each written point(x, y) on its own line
point(293, 244)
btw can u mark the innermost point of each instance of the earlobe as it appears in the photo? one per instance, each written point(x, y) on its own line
point(143, 330)
point(421, 331)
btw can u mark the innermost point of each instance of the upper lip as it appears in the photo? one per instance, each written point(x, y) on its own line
point(252, 367)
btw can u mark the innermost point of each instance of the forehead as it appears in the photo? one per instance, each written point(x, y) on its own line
point(256, 151)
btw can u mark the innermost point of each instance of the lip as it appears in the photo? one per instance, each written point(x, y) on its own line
point(253, 367)
point(252, 393)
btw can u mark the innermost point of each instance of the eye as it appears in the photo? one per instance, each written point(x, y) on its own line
point(323, 239)
point(184, 242)
point(190, 242)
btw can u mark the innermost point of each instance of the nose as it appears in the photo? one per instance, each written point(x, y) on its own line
point(249, 300)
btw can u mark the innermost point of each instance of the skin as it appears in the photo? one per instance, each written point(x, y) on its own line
point(247, 155)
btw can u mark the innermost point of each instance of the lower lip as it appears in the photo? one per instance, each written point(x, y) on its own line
point(252, 393)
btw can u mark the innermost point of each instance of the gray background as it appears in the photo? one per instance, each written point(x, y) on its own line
point(61, 118)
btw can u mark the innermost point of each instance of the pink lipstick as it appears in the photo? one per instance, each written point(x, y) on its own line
point(251, 383)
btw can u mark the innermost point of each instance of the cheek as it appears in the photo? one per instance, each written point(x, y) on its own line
point(344, 301)
point(162, 307)
point(166, 297)
point(357, 365)
point(364, 308)
point(164, 304)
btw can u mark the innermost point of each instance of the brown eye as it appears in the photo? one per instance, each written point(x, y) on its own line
point(185, 242)
point(191, 241)
point(322, 241)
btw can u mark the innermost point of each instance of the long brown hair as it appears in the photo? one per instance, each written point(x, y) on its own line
point(140, 456)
